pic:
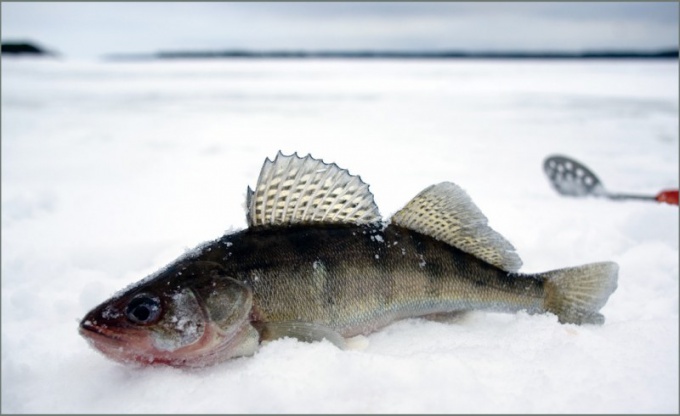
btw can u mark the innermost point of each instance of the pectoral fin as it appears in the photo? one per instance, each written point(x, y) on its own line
point(303, 331)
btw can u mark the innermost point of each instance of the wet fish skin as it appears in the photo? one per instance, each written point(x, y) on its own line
point(317, 262)
point(352, 280)
point(358, 279)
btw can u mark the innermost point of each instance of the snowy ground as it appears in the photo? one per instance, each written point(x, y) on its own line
point(111, 170)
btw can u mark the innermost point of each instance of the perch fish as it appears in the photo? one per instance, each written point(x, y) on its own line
point(318, 262)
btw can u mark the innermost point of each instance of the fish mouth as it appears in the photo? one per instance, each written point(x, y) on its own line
point(120, 348)
point(89, 329)
point(130, 350)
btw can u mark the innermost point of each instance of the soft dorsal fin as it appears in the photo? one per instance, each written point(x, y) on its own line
point(295, 190)
point(445, 212)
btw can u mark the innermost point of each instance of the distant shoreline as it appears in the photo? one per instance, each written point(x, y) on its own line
point(443, 55)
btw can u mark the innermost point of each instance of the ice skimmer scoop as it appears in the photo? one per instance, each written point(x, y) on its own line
point(572, 178)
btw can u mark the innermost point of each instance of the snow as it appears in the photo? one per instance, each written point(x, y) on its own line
point(112, 170)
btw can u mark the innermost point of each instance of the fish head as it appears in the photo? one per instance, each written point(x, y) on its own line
point(190, 314)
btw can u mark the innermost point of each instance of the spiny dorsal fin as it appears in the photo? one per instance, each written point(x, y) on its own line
point(295, 190)
point(445, 212)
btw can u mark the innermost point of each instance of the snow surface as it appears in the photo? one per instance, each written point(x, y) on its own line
point(111, 170)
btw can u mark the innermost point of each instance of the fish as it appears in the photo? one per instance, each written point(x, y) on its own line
point(318, 262)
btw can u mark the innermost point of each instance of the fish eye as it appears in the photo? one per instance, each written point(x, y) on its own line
point(143, 309)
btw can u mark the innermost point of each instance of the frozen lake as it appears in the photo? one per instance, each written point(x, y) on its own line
point(112, 170)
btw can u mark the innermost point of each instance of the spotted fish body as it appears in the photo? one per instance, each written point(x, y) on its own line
point(317, 262)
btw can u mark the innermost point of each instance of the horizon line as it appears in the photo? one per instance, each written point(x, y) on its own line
point(660, 53)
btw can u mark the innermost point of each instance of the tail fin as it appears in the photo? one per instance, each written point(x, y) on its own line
point(576, 294)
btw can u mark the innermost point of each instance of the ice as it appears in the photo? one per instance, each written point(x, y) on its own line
point(112, 170)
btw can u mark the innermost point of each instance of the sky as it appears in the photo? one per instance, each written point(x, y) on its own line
point(97, 29)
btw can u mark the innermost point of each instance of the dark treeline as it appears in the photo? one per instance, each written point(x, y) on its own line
point(663, 54)
point(30, 48)
point(22, 48)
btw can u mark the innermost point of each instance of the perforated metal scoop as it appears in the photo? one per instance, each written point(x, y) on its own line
point(572, 178)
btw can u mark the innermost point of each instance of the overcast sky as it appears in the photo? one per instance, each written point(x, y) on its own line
point(92, 30)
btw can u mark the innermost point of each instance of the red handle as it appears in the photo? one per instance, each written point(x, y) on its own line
point(669, 196)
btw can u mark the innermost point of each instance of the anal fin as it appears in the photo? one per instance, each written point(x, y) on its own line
point(447, 317)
